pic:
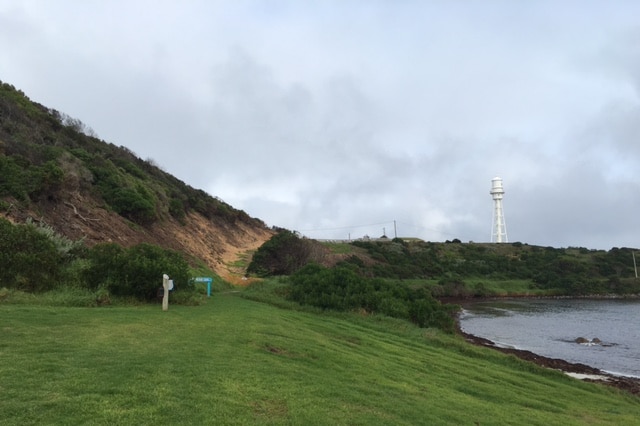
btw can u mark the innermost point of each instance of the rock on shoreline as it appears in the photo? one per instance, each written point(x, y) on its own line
point(579, 371)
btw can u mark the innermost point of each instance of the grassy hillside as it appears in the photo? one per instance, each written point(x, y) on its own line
point(236, 361)
point(47, 155)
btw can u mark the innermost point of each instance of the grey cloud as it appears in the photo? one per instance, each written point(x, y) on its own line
point(338, 115)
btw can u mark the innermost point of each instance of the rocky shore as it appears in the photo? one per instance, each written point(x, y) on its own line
point(580, 371)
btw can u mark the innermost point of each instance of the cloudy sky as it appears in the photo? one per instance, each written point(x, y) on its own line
point(356, 117)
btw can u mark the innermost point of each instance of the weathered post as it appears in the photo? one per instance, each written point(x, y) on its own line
point(165, 297)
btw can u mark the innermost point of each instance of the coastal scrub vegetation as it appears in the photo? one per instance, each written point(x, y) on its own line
point(468, 269)
point(343, 289)
point(134, 271)
point(45, 154)
point(282, 254)
point(35, 259)
point(49, 160)
point(458, 270)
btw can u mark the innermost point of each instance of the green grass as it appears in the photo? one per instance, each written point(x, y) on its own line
point(238, 361)
point(492, 286)
point(200, 269)
point(340, 248)
point(243, 260)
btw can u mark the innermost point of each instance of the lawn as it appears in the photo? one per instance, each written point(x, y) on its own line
point(237, 361)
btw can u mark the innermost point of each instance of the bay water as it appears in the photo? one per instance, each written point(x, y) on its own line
point(550, 327)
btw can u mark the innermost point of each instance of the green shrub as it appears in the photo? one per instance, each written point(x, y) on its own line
point(176, 209)
point(136, 271)
point(134, 204)
point(454, 287)
point(283, 254)
point(22, 179)
point(343, 289)
point(29, 260)
point(14, 179)
point(64, 245)
point(47, 178)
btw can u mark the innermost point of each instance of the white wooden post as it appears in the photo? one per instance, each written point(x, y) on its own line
point(165, 297)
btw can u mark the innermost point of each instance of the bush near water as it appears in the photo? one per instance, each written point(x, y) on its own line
point(402, 279)
point(343, 289)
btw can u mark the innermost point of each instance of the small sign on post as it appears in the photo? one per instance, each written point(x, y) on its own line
point(167, 284)
point(207, 280)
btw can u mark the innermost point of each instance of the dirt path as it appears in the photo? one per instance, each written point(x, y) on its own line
point(235, 261)
point(227, 250)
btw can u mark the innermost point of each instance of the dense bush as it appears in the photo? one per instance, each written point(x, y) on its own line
point(133, 201)
point(343, 289)
point(283, 254)
point(176, 210)
point(34, 258)
point(136, 271)
point(136, 204)
point(29, 259)
point(23, 180)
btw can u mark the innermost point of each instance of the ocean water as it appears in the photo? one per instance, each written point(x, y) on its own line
point(550, 327)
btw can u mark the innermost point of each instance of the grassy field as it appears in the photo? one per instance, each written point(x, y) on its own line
point(237, 361)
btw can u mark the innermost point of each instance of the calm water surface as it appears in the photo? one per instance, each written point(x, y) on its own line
point(550, 327)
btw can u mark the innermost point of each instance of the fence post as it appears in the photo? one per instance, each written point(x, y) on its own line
point(165, 297)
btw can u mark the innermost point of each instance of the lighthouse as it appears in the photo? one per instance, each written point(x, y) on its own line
point(499, 227)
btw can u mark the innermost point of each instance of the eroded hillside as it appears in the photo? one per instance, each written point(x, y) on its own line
point(218, 247)
point(53, 170)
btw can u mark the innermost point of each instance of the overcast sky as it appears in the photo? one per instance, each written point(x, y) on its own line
point(344, 118)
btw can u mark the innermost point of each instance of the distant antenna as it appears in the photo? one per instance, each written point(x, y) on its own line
point(499, 227)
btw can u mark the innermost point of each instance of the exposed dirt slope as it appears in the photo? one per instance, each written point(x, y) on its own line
point(224, 249)
point(219, 244)
point(74, 182)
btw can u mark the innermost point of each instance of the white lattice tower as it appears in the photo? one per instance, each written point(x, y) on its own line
point(499, 227)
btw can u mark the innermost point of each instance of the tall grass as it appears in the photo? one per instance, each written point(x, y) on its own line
point(69, 296)
point(76, 296)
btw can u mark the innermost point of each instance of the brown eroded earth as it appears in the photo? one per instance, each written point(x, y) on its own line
point(224, 246)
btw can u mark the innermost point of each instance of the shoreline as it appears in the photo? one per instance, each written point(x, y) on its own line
point(575, 370)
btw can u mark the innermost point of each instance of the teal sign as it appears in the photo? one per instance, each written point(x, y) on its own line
point(207, 280)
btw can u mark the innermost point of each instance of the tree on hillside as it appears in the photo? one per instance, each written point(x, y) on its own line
point(283, 254)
